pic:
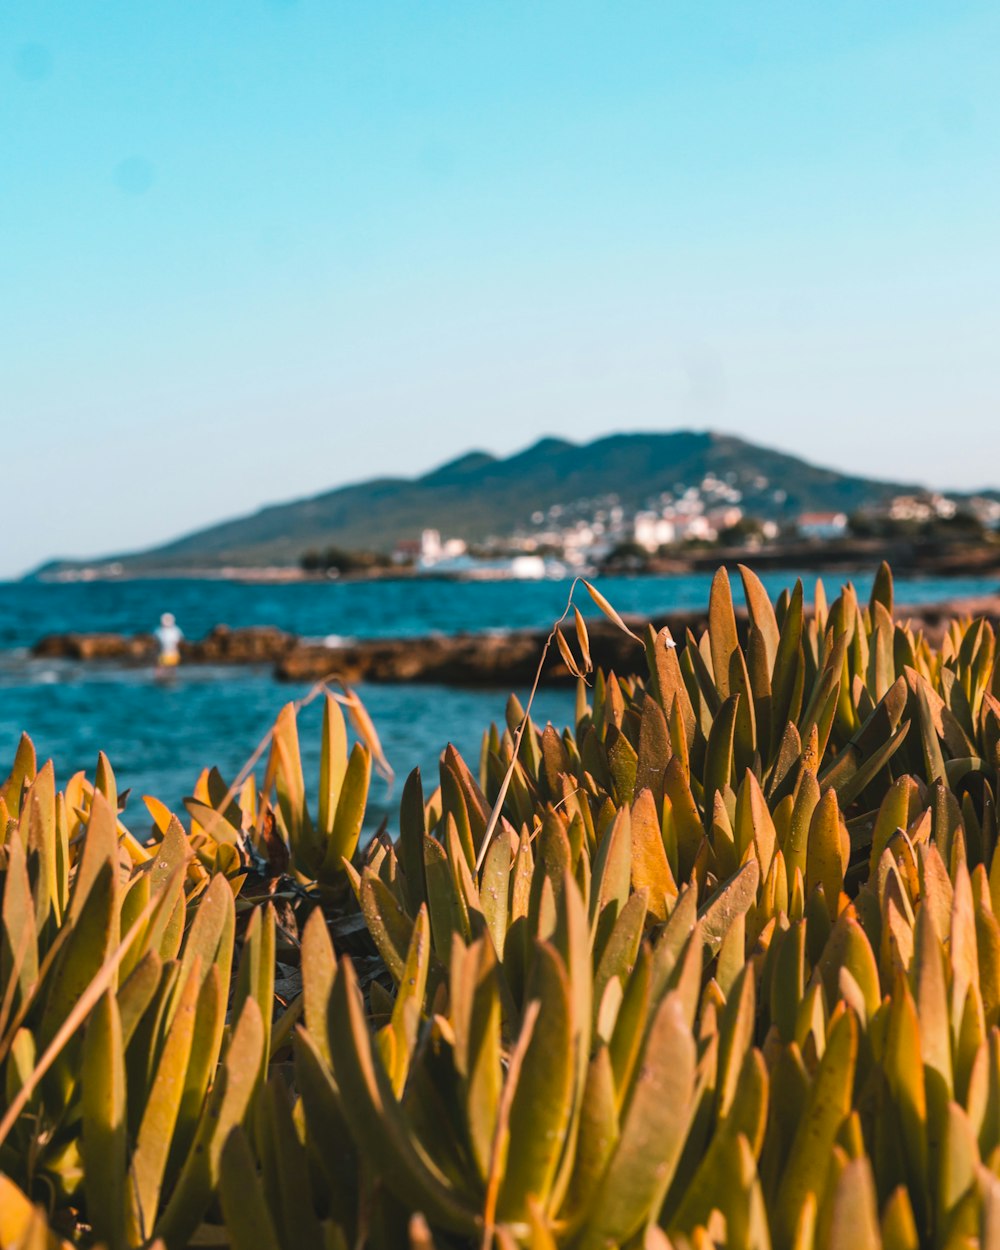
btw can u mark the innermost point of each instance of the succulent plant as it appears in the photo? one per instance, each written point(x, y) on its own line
point(719, 964)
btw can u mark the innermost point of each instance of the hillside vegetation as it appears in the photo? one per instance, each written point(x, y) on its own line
point(480, 495)
point(716, 965)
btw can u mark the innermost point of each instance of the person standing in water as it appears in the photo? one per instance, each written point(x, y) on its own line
point(169, 637)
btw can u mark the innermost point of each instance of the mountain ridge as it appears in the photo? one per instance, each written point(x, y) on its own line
point(478, 495)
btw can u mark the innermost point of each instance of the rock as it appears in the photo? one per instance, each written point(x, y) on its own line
point(496, 660)
point(255, 645)
point(499, 660)
point(96, 647)
point(259, 644)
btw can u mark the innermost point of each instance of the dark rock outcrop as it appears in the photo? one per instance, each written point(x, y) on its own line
point(120, 647)
point(255, 645)
point(489, 659)
point(467, 659)
point(473, 659)
point(258, 644)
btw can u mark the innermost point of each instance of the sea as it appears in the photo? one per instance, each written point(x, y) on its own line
point(160, 734)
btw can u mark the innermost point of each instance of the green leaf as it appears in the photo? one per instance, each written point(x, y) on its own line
point(319, 967)
point(622, 947)
point(19, 948)
point(494, 889)
point(882, 589)
point(712, 1186)
point(376, 1120)
point(332, 762)
point(23, 772)
point(475, 1013)
point(653, 1128)
point(612, 877)
point(226, 1107)
point(103, 1112)
point(206, 1045)
point(92, 938)
point(629, 1032)
point(719, 772)
point(597, 1136)
point(255, 978)
point(761, 613)
point(542, 1103)
point(343, 841)
point(38, 825)
point(326, 1129)
point(444, 905)
point(473, 802)
point(854, 1213)
point(285, 767)
point(410, 846)
point(722, 634)
point(650, 869)
point(209, 940)
point(248, 1221)
point(149, 1159)
point(930, 989)
point(733, 899)
point(789, 663)
point(828, 1103)
point(390, 927)
point(827, 851)
point(286, 1169)
point(406, 1011)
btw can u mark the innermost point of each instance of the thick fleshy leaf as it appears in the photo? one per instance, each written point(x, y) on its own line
point(540, 1111)
point(104, 1129)
point(828, 1104)
point(653, 1128)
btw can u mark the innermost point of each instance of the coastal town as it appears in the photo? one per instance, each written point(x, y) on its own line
point(681, 529)
point(594, 534)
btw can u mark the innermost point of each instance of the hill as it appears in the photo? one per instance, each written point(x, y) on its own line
point(479, 495)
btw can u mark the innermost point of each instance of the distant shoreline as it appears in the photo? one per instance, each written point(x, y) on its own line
point(907, 557)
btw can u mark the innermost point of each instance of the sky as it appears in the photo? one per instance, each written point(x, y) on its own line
point(254, 249)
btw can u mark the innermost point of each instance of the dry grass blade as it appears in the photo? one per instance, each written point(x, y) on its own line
point(568, 658)
point(519, 734)
point(81, 1009)
point(359, 716)
point(365, 727)
point(265, 742)
point(554, 635)
point(608, 610)
point(583, 638)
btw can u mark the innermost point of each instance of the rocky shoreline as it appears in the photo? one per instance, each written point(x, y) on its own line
point(484, 659)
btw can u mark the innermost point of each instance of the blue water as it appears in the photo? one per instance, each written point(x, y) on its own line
point(159, 736)
point(377, 609)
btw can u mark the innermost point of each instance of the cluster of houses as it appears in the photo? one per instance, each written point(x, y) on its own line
point(577, 537)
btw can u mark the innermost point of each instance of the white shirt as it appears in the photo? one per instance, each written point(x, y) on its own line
point(169, 637)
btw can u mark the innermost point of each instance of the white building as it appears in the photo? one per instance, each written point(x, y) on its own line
point(725, 518)
point(527, 568)
point(922, 507)
point(433, 551)
point(696, 527)
point(822, 524)
point(652, 531)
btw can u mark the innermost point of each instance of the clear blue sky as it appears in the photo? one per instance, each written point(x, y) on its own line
point(251, 250)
